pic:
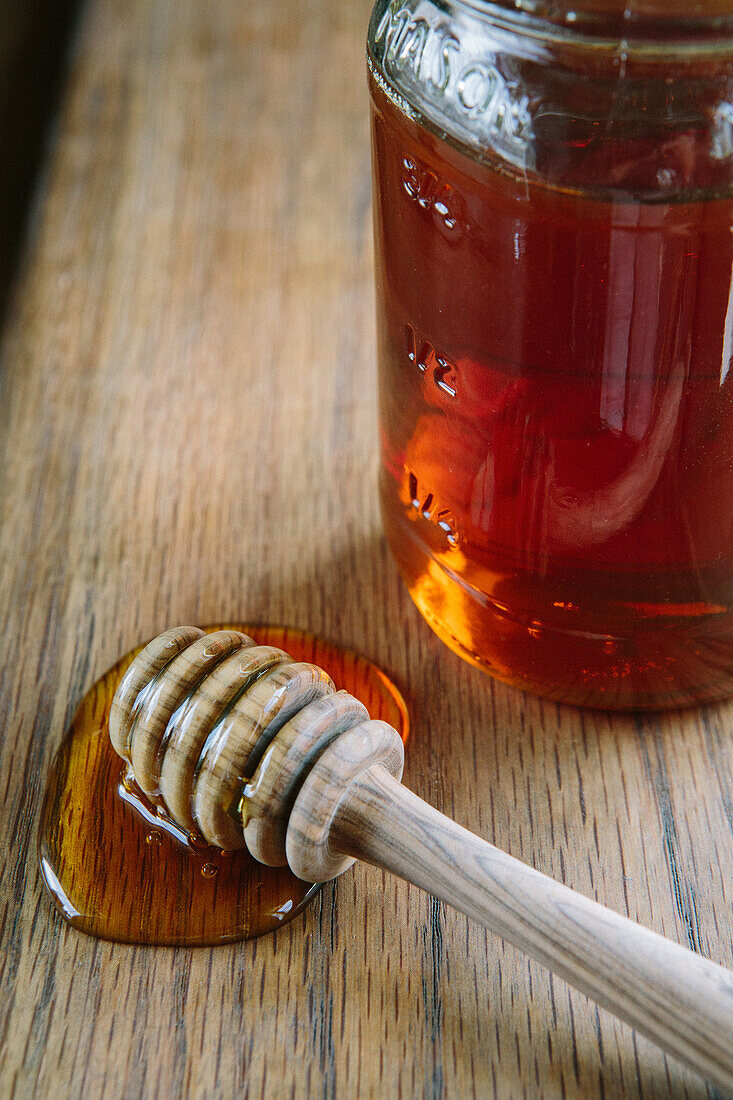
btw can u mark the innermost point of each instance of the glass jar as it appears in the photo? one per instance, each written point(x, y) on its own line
point(553, 198)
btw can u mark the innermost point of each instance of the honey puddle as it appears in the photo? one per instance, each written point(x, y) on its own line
point(118, 868)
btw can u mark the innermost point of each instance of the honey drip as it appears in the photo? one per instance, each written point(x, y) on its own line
point(117, 867)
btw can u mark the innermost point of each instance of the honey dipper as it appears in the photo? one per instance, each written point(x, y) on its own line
point(246, 747)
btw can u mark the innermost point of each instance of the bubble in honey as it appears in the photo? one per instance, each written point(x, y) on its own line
point(117, 867)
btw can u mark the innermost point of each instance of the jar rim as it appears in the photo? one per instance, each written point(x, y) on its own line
point(653, 20)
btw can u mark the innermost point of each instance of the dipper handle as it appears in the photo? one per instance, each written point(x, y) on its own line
point(198, 715)
point(681, 1001)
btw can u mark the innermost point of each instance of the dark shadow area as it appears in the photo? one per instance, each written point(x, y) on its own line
point(34, 40)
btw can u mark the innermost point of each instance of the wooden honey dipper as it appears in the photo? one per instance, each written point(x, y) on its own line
point(246, 747)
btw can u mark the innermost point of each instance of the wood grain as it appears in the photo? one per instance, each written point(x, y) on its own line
point(672, 995)
point(189, 435)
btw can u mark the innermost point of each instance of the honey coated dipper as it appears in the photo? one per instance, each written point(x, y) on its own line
point(246, 747)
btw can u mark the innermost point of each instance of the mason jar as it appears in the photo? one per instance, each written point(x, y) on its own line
point(554, 257)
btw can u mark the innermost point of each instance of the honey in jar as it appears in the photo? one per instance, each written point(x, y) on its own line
point(553, 200)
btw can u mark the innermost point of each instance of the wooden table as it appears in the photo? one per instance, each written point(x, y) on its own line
point(188, 419)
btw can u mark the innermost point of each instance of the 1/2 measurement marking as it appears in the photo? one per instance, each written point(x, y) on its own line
point(437, 369)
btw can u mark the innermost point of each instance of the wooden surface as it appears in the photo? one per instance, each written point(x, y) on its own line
point(674, 996)
point(189, 435)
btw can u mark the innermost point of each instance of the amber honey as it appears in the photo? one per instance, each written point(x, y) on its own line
point(556, 403)
point(118, 868)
